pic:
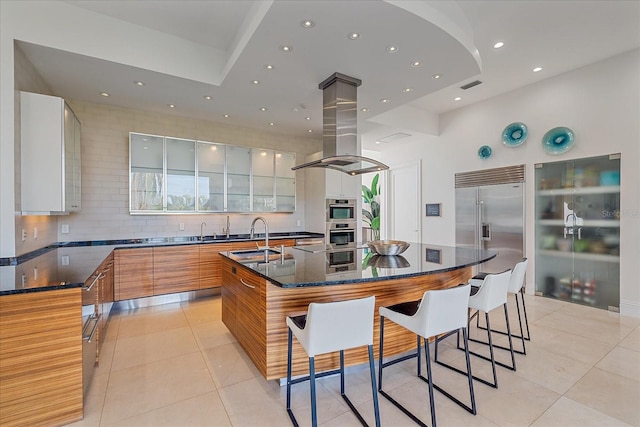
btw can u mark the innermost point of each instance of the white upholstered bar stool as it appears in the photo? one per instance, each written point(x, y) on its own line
point(516, 286)
point(439, 312)
point(326, 328)
point(491, 295)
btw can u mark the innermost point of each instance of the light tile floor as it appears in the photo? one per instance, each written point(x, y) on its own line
point(178, 365)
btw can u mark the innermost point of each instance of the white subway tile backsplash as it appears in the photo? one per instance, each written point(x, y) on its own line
point(105, 174)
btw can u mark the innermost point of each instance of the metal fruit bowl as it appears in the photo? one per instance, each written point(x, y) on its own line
point(388, 247)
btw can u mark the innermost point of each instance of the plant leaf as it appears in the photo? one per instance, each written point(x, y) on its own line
point(375, 208)
point(375, 223)
point(375, 188)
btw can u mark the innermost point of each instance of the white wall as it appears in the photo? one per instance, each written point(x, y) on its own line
point(600, 103)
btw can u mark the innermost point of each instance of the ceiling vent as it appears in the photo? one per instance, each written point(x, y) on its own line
point(394, 137)
point(470, 85)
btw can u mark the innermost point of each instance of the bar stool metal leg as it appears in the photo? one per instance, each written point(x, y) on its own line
point(491, 345)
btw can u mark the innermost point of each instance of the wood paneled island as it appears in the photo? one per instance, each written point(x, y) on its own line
point(257, 296)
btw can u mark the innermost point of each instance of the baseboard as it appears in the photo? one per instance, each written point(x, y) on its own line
point(630, 308)
point(132, 304)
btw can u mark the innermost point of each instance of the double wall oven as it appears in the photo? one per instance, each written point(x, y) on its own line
point(341, 223)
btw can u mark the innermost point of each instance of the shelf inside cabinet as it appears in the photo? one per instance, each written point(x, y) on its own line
point(581, 255)
point(580, 190)
point(586, 223)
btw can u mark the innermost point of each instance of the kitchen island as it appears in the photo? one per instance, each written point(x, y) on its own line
point(257, 296)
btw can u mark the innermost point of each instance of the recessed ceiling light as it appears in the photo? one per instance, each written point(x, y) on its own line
point(309, 131)
point(535, 70)
point(172, 106)
point(307, 23)
point(457, 98)
point(377, 142)
point(138, 83)
point(263, 108)
point(364, 110)
point(214, 148)
point(255, 82)
point(416, 64)
point(384, 100)
point(271, 124)
point(104, 94)
point(498, 45)
point(354, 36)
point(226, 116)
point(208, 97)
point(286, 48)
point(407, 89)
point(392, 49)
point(436, 76)
point(269, 67)
point(307, 118)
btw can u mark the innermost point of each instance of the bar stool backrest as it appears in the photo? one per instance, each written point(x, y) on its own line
point(441, 311)
point(338, 325)
point(516, 282)
point(492, 293)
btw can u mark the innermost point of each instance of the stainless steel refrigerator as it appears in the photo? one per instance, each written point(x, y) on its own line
point(490, 214)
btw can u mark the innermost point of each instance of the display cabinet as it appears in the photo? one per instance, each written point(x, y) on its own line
point(175, 175)
point(262, 162)
point(577, 230)
point(210, 176)
point(285, 182)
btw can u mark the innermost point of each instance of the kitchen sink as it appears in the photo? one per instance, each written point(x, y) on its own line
point(253, 255)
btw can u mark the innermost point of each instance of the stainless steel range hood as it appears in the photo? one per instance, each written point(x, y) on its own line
point(339, 129)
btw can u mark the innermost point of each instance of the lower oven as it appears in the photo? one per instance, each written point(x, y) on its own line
point(340, 260)
point(341, 234)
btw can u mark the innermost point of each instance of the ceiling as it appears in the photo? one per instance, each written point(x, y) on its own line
point(186, 50)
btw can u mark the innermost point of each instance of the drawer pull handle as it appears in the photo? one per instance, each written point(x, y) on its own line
point(246, 284)
point(98, 277)
point(96, 320)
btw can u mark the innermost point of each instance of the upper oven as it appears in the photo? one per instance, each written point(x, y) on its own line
point(341, 210)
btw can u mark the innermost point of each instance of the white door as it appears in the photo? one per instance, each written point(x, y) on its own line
point(403, 203)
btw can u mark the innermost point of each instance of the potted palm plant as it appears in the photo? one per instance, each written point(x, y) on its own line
point(371, 207)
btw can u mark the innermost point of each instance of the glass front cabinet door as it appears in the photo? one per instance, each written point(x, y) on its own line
point(577, 230)
point(175, 175)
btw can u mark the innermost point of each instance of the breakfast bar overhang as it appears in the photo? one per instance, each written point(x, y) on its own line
point(257, 296)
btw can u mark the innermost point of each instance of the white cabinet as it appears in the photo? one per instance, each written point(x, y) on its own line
point(340, 184)
point(50, 155)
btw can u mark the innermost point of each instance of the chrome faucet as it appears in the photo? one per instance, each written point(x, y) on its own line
point(227, 230)
point(266, 230)
point(202, 225)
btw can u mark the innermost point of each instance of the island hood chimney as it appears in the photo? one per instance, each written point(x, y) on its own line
point(339, 129)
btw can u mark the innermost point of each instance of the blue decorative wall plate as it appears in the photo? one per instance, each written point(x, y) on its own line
point(558, 140)
point(514, 134)
point(484, 152)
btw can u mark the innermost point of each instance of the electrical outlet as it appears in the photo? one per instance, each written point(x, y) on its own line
point(181, 227)
point(298, 223)
point(35, 232)
point(35, 273)
point(64, 259)
point(64, 229)
point(24, 234)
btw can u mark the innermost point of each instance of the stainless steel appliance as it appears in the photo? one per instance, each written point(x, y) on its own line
point(341, 260)
point(490, 214)
point(341, 210)
point(341, 234)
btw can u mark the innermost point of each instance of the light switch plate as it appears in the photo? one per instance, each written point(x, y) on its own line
point(181, 227)
point(64, 229)
point(24, 234)
point(64, 260)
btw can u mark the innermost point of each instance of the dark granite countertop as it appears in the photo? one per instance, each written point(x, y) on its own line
point(68, 264)
point(304, 266)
